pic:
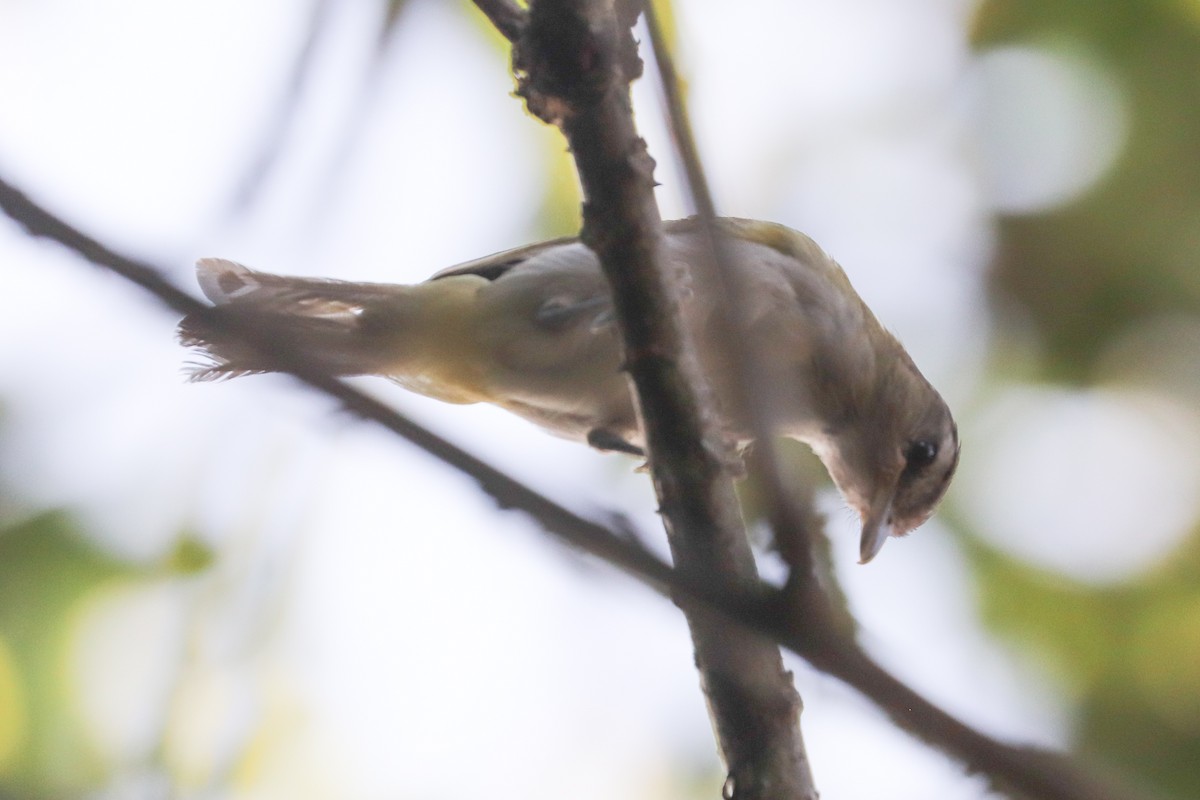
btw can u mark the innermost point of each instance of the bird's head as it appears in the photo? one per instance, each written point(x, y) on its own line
point(893, 453)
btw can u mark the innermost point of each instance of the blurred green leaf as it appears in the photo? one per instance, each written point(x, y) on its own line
point(189, 556)
point(46, 566)
point(14, 714)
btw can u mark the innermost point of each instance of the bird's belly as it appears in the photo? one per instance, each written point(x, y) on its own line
point(574, 408)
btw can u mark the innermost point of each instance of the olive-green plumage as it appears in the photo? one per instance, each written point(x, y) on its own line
point(532, 330)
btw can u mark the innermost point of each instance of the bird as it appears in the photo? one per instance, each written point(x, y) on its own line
point(533, 330)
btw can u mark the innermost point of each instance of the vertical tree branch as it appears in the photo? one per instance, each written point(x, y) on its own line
point(575, 60)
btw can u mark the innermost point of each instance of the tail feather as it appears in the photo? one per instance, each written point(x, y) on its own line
point(315, 319)
point(228, 282)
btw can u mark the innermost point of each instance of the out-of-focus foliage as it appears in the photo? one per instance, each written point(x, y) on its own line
point(1130, 249)
point(51, 575)
point(1102, 270)
point(1128, 653)
point(46, 567)
point(50, 572)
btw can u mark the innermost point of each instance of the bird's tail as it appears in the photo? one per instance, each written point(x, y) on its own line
point(318, 321)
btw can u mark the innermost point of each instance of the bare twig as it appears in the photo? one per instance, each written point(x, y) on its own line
point(274, 136)
point(1031, 773)
point(789, 520)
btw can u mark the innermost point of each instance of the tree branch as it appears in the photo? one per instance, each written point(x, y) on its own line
point(1020, 772)
point(574, 63)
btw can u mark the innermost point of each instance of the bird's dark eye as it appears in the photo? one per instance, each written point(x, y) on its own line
point(920, 454)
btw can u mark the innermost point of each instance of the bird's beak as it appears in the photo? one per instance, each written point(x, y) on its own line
point(877, 525)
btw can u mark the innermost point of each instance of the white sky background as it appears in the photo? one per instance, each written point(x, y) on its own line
point(414, 641)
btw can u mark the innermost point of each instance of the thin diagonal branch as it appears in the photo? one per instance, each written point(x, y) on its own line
point(1019, 772)
point(1033, 773)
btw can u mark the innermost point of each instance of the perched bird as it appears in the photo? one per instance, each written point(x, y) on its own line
point(532, 330)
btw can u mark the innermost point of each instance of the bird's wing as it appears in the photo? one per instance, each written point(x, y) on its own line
point(493, 266)
point(557, 284)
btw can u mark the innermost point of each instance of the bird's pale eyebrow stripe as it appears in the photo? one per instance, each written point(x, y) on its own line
point(949, 472)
